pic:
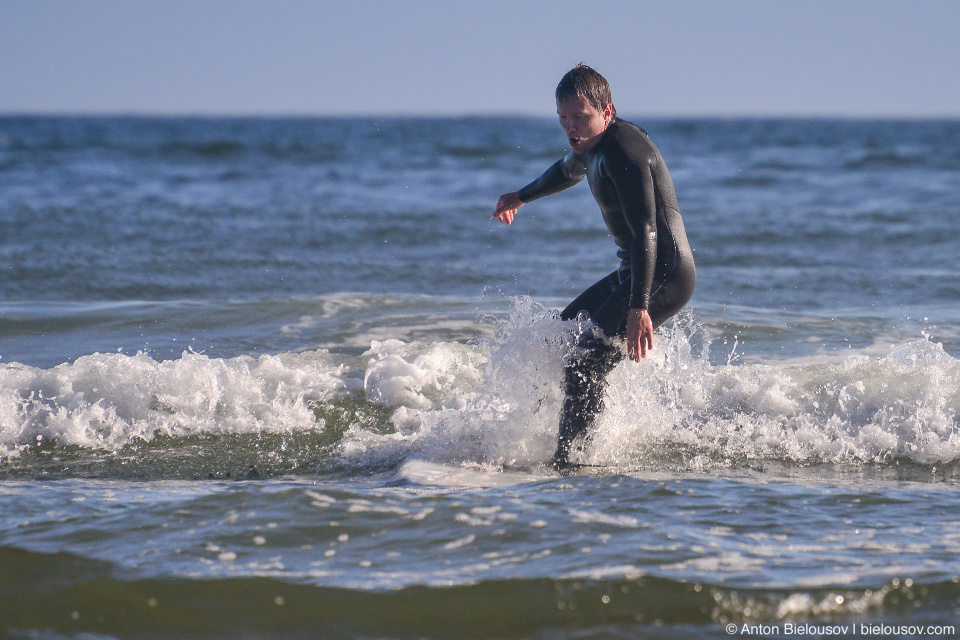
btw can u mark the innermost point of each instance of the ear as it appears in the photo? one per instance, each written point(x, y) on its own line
point(607, 112)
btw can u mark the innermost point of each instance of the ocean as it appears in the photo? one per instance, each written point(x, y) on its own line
point(226, 343)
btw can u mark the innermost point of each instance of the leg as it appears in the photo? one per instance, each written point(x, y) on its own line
point(587, 367)
point(585, 376)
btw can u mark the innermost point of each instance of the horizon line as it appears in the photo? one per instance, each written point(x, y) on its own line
point(416, 114)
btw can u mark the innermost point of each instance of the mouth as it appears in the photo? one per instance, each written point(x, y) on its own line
point(573, 141)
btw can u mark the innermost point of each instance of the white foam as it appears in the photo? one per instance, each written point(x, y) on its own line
point(862, 409)
point(497, 401)
point(673, 410)
point(105, 401)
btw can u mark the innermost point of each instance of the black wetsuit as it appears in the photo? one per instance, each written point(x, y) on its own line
point(630, 182)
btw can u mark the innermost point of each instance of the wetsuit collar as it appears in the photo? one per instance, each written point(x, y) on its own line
point(603, 138)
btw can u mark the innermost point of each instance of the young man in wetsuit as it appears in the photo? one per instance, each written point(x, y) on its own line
point(631, 184)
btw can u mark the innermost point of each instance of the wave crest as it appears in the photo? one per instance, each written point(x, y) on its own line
point(496, 401)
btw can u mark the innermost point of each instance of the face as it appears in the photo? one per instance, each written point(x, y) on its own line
point(582, 123)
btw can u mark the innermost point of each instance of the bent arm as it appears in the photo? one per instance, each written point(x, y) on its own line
point(636, 191)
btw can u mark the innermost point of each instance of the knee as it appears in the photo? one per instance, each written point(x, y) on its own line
point(593, 356)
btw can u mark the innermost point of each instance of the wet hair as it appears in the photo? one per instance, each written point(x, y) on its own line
point(584, 82)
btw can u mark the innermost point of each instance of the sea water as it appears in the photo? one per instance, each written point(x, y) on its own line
point(221, 339)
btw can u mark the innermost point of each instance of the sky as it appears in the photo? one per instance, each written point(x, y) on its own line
point(671, 58)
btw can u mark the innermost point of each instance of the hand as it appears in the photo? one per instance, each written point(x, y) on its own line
point(507, 207)
point(639, 334)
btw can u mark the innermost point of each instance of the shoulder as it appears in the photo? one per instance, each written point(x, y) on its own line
point(629, 130)
point(573, 163)
point(626, 143)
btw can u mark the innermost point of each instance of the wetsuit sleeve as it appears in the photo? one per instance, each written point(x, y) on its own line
point(562, 175)
point(634, 182)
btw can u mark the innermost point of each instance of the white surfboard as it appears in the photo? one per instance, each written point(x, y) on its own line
point(473, 476)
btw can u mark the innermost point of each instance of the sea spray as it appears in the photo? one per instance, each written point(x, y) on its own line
point(493, 402)
point(673, 410)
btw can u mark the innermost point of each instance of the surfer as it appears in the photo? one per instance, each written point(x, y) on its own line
point(630, 182)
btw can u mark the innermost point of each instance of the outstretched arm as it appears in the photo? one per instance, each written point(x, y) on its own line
point(563, 174)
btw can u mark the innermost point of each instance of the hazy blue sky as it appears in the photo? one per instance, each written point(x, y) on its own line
point(666, 57)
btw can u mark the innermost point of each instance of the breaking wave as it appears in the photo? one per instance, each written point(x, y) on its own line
point(496, 401)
